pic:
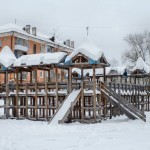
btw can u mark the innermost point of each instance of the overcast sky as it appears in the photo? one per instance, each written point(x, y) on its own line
point(109, 21)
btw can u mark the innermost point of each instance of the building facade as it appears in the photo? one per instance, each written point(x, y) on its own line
point(27, 40)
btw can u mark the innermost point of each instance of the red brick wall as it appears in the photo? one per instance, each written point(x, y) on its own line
point(6, 41)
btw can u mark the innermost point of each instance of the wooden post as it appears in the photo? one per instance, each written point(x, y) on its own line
point(31, 77)
point(26, 100)
point(7, 95)
point(71, 111)
point(17, 92)
point(56, 75)
point(70, 79)
point(134, 80)
point(100, 106)
point(49, 80)
point(36, 95)
point(104, 74)
point(94, 93)
point(46, 99)
point(21, 77)
point(82, 96)
point(121, 79)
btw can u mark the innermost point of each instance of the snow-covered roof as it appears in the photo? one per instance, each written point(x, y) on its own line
point(7, 57)
point(141, 65)
point(88, 48)
point(19, 29)
point(37, 59)
point(118, 70)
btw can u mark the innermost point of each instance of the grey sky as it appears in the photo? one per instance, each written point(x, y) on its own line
point(108, 20)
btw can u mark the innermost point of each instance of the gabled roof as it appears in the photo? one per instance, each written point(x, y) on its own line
point(87, 48)
point(40, 59)
point(7, 57)
point(141, 65)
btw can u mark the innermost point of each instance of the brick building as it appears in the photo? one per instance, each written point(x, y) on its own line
point(27, 40)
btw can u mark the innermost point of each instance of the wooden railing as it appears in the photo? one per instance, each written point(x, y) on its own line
point(130, 110)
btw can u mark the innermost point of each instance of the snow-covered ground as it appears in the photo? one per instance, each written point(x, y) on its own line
point(119, 133)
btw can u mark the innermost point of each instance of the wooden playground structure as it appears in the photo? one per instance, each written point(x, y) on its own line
point(84, 100)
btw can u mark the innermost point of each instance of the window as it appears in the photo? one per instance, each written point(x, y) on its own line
point(34, 49)
point(0, 43)
point(24, 75)
point(20, 41)
point(41, 74)
point(50, 49)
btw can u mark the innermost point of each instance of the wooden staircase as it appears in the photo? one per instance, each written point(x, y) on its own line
point(126, 107)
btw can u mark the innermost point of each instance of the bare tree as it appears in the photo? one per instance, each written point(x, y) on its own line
point(139, 47)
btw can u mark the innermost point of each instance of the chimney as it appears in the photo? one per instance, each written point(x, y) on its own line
point(72, 44)
point(34, 31)
point(27, 28)
point(68, 42)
